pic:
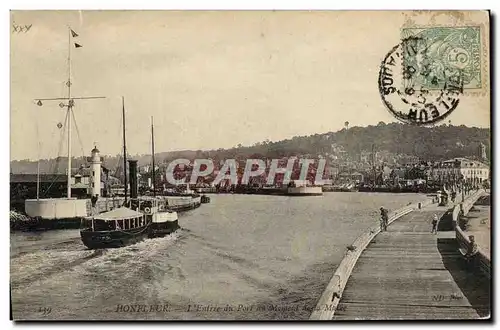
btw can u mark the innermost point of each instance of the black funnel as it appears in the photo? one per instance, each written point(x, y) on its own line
point(132, 168)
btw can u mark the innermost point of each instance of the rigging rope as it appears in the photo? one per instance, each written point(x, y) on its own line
point(119, 161)
point(78, 135)
point(58, 158)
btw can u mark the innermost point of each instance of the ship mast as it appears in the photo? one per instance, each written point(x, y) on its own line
point(124, 151)
point(38, 164)
point(153, 154)
point(69, 106)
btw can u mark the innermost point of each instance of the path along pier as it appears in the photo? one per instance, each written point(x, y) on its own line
point(409, 273)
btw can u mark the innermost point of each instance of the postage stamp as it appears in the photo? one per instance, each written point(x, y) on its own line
point(450, 51)
point(407, 76)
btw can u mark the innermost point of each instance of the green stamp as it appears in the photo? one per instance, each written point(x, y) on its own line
point(433, 55)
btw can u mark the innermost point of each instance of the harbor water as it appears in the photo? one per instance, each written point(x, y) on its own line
point(243, 257)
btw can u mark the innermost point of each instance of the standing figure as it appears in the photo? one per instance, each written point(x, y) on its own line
point(434, 224)
point(384, 219)
point(472, 250)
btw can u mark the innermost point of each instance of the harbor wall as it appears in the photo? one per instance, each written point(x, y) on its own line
point(482, 260)
point(69, 208)
point(329, 300)
point(56, 208)
point(59, 208)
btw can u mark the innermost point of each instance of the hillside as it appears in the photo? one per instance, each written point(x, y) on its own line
point(428, 143)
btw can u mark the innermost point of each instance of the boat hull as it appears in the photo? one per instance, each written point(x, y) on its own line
point(183, 204)
point(113, 239)
point(304, 191)
point(163, 229)
point(304, 194)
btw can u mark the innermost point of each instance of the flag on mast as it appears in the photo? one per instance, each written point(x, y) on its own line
point(74, 35)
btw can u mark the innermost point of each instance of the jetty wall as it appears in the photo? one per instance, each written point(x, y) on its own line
point(482, 260)
point(329, 300)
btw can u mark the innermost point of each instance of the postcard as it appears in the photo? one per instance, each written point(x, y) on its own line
point(250, 165)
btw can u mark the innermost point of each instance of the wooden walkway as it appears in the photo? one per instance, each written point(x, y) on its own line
point(409, 273)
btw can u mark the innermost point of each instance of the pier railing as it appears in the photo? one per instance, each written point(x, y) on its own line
point(329, 300)
point(482, 261)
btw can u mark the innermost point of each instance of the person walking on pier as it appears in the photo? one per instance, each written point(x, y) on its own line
point(472, 250)
point(383, 219)
point(434, 224)
point(453, 196)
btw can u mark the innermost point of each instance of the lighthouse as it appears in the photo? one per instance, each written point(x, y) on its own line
point(95, 182)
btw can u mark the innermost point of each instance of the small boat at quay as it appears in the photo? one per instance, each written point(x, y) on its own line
point(163, 221)
point(205, 199)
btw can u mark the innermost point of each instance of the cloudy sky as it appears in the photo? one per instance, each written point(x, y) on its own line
point(210, 79)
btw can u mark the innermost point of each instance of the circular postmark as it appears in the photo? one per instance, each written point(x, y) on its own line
point(417, 88)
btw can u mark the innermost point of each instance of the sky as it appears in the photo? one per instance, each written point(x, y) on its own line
point(210, 79)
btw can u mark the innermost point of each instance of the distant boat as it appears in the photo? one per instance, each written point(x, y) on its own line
point(183, 203)
point(304, 191)
point(350, 187)
point(297, 188)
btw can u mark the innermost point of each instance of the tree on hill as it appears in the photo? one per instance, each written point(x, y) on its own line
point(428, 143)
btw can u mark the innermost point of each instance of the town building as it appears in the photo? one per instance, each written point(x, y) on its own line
point(459, 170)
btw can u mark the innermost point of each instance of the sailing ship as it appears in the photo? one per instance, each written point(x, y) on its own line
point(50, 213)
point(163, 221)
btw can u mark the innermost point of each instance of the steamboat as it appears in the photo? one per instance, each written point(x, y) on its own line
point(140, 218)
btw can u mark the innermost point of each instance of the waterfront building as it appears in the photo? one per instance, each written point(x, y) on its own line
point(460, 169)
point(347, 177)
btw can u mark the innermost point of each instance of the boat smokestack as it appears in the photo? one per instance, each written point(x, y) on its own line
point(132, 167)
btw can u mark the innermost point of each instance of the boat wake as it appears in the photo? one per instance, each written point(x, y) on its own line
point(28, 268)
